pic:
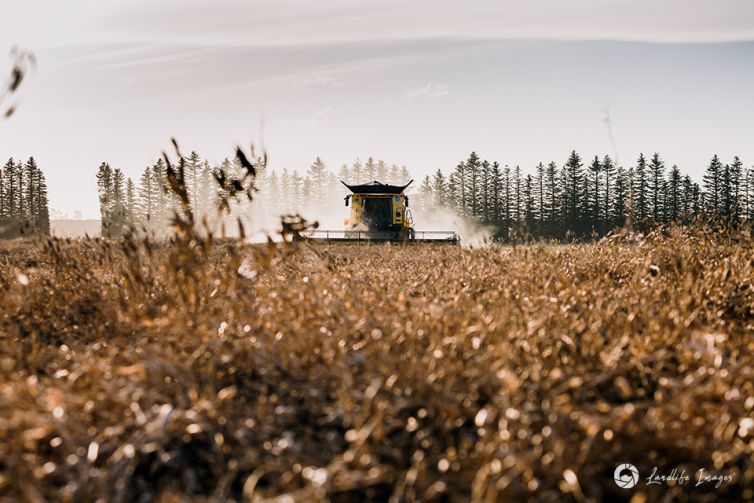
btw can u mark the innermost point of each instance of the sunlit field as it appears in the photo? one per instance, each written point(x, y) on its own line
point(198, 371)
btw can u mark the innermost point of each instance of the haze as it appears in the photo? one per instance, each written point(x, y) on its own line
point(418, 83)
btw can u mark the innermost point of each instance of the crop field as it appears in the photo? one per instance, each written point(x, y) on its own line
point(194, 371)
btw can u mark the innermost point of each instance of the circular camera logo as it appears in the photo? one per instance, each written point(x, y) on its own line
point(626, 475)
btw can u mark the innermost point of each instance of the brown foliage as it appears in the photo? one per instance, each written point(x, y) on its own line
point(193, 370)
point(23, 63)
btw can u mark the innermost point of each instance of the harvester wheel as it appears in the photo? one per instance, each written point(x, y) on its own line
point(407, 235)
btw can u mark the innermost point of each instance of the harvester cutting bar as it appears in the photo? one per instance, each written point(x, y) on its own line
point(356, 236)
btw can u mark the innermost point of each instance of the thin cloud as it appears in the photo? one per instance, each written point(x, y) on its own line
point(308, 121)
point(294, 23)
point(323, 80)
point(321, 113)
point(431, 90)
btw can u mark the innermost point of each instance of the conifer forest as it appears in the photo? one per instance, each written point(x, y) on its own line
point(563, 201)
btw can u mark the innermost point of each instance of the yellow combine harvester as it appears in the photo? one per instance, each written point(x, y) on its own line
point(379, 213)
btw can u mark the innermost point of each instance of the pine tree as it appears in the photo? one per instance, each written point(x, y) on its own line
point(674, 196)
point(452, 194)
point(285, 191)
point(3, 196)
point(631, 200)
point(334, 192)
point(343, 174)
point(730, 192)
point(370, 170)
point(529, 204)
point(593, 199)
point(11, 189)
point(485, 199)
point(130, 202)
point(306, 193)
point(262, 206)
point(459, 182)
point(472, 185)
point(735, 176)
point(297, 191)
point(31, 189)
point(274, 194)
point(539, 192)
point(145, 201)
point(43, 219)
point(439, 188)
point(161, 203)
point(686, 199)
point(206, 190)
point(193, 168)
point(518, 203)
point(654, 184)
point(317, 176)
point(749, 197)
point(38, 202)
point(21, 213)
point(712, 186)
point(395, 174)
point(118, 220)
point(621, 194)
point(496, 186)
point(425, 192)
point(10, 193)
point(726, 199)
point(552, 196)
point(697, 200)
point(105, 189)
point(507, 200)
point(381, 171)
point(405, 176)
point(357, 173)
point(608, 171)
point(573, 188)
point(640, 188)
point(118, 194)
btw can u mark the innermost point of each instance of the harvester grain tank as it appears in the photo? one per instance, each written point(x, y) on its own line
point(380, 213)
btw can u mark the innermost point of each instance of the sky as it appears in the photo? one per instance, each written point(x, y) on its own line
point(414, 82)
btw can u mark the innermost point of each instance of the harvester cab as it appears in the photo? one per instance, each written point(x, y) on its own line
point(380, 208)
point(379, 213)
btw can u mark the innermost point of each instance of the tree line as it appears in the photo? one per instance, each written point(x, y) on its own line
point(575, 199)
point(24, 206)
point(584, 198)
point(148, 204)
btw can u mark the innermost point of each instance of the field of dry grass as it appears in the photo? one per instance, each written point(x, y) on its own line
point(142, 372)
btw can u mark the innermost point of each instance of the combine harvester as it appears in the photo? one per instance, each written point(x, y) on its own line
point(380, 214)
